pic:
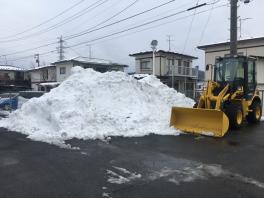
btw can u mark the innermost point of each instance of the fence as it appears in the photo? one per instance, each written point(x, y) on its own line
point(182, 71)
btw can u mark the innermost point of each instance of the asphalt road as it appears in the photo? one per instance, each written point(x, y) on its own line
point(152, 166)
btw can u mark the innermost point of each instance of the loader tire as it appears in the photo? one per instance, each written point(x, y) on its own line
point(235, 115)
point(255, 116)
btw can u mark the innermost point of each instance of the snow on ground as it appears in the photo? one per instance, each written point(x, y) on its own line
point(93, 105)
point(194, 171)
point(116, 177)
point(21, 101)
point(262, 118)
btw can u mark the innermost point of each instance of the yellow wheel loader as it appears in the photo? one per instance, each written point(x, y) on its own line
point(226, 102)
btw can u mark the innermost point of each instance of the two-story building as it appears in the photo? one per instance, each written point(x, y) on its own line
point(63, 67)
point(174, 69)
point(42, 75)
point(248, 47)
point(13, 78)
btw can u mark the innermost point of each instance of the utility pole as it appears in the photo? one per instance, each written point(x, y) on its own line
point(36, 56)
point(61, 48)
point(233, 28)
point(240, 25)
point(154, 44)
point(4, 56)
point(169, 41)
point(90, 51)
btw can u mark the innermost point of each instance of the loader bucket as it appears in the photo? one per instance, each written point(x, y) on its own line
point(200, 121)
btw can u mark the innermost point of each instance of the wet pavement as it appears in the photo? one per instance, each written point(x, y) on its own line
point(152, 166)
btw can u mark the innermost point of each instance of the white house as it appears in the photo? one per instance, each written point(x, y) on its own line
point(11, 73)
point(13, 79)
point(63, 67)
point(41, 75)
point(248, 47)
point(174, 69)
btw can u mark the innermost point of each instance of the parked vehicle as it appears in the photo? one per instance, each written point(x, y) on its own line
point(9, 101)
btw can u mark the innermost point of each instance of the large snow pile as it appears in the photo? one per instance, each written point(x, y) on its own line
point(92, 105)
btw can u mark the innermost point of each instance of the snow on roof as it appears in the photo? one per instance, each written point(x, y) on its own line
point(91, 61)
point(50, 84)
point(228, 42)
point(41, 67)
point(163, 52)
point(10, 68)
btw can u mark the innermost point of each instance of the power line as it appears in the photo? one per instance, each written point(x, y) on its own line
point(106, 20)
point(207, 21)
point(61, 23)
point(162, 24)
point(138, 26)
point(87, 31)
point(84, 32)
point(45, 22)
point(61, 48)
point(190, 29)
point(135, 27)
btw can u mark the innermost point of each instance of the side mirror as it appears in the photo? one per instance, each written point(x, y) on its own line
point(207, 67)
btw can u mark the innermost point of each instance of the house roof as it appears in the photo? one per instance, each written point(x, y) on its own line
point(163, 52)
point(10, 68)
point(258, 57)
point(41, 67)
point(244, 41)
point(92, 61)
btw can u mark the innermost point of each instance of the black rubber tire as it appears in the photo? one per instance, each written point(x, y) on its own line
point(232, 111)
point(251, 117)
point(195, 105)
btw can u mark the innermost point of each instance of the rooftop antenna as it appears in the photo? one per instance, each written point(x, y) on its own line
point(36, 56)
point(169, 41)
point(154, 44)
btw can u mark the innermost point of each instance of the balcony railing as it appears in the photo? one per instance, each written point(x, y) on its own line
point(182, 71)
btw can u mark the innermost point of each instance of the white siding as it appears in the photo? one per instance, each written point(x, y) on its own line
point(62, 77)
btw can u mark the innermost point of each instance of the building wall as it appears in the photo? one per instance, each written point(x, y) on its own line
point(68, 66)
point(4, 74)
point(210, 57)
point(162, 65)
point(260, 74)
point(37, 76)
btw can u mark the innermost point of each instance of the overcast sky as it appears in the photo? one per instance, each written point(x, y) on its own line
point(28, 24)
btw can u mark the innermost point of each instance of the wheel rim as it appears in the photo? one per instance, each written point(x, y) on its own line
point(239, 117)
point(258, 113)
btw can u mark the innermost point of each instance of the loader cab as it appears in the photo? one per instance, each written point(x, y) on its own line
point(238, 72)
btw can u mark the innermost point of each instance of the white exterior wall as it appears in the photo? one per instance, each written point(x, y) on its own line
point(37, 76)
point(62, 77)
point(256, 51)
point(161, 64)
point(260, 73)
point(11, 74)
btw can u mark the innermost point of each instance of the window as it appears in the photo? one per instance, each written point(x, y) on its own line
point(179, 62)
point(145, 65)
point(186, 65)
point(171, 62)
point(62, 70)
point(251, 74)
point(179, 66)
point(45, 74)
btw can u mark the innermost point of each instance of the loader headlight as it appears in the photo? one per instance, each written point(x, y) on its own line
point(240, 88)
